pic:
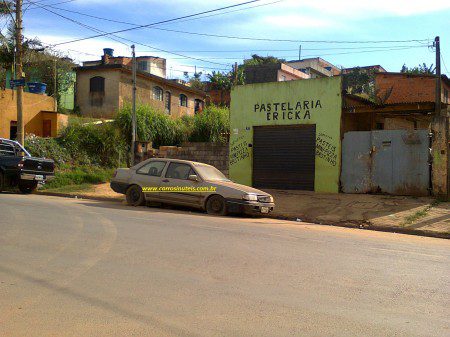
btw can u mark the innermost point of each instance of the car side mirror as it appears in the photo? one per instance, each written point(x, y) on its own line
point(193, 177)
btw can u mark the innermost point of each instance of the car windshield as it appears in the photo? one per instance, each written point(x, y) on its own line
point(211, 173)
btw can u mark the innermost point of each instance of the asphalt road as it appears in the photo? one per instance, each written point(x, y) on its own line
point(83, 268)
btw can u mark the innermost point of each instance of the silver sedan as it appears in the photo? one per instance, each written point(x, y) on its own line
point(188, 183)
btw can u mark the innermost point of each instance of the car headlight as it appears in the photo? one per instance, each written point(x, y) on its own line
point(271, 199)
point(250, 197)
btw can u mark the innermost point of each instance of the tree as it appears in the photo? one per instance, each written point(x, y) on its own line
point(259, 60)
point(360, 82)
point(421, 69)
point(195, 81)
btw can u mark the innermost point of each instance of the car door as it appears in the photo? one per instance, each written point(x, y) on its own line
point(175, 179)
point(148, 176)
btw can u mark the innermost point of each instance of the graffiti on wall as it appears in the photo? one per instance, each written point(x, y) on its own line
point(238, 150)
point(325, 149)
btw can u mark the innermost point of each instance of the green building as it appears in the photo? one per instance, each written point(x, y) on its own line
point(286, 135)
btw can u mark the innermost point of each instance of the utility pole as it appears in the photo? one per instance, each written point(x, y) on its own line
point(235, 73)
point(437, 45)
point(55, 85)
point(19, 73)
point(133, 115)
point(300, 52)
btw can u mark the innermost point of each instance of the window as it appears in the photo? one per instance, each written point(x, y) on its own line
point(153, 168)
point(143, 65)
point(157, 93)
point(179, 171)
point(183, 100)
point(97, 90)
point(198, 105)
point(6, 149)
point(168, 102)
point(97, 84)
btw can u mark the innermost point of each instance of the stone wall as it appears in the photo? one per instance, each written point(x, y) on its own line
point(214, 154)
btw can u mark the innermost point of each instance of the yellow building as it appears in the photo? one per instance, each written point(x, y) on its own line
point(39, 113)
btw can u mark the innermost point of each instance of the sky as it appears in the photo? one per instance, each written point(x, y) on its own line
point(327, 21)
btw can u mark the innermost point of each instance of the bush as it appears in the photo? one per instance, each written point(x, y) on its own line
point(151, 125)
point(69, 175)
point(98, 144)
point(47, 148)
point(209, 126)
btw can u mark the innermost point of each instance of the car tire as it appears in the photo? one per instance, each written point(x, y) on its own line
point(27, 188)
point(135, 196)
point(216, 205)
point(2, 181)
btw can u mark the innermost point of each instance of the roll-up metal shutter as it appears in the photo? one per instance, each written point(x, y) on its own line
point(284, 157)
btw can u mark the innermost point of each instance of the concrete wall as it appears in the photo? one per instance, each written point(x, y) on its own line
point(110, 100)
point(439, 153)
point(33, 107)
point(316, 102)
point(208, 153)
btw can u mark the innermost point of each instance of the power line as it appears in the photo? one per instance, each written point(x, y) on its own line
point(330, 54)
point(286, 50)
point(285, 40)
point(137, 25)
point(158, 23)
point(443, 62)
point(122, 38)
point(47, 5)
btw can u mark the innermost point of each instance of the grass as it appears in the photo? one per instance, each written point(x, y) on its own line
point(71, 188)
point(68, 176)
point(420, 214)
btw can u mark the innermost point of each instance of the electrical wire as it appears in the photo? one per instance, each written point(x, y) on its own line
point(157, 23)
point(125, 39)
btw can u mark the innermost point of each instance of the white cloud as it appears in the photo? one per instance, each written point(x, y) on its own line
point(297, 21)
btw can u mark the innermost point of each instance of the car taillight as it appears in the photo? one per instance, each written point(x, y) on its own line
point(20, 164)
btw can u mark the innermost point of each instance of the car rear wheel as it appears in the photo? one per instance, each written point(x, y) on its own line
point(27, 188)
point(135, 196)
point(216, 205)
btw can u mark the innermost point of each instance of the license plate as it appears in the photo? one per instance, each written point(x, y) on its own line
point(39, 177)
point(264, 209)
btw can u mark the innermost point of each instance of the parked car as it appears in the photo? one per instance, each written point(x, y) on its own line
point(19, 168)
point(188, 183)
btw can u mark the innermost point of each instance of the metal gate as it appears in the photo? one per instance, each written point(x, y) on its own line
point(386, 161)
point(284, 157)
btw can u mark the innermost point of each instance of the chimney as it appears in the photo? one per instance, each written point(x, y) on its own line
point(107, 53)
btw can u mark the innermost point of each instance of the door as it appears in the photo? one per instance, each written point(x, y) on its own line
point(284, 157)
point(148, 176)
point(175, 180)
point(47, 128)
point(386, 161)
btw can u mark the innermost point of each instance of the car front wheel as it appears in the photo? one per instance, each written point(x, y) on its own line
point(135, 196)
point(216, 205)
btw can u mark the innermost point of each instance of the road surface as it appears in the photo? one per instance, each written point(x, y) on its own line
point(84, 268)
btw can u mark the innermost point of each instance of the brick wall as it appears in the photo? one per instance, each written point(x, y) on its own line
point(214, 154)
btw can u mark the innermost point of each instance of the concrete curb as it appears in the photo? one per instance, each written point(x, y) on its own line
point(364, 225)
point(81, 196)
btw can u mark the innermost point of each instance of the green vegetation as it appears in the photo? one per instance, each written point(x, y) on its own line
point(70, 189)
point(420, 213)
point(211, 125)
point(79, 175)
point(421, 69)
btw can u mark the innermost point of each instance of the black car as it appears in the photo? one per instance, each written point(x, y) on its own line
point(19, 168)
